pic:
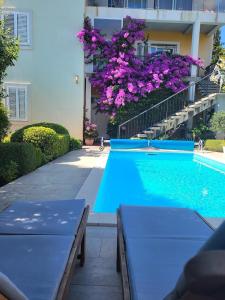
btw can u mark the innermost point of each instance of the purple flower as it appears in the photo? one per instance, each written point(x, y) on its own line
point(121, 77)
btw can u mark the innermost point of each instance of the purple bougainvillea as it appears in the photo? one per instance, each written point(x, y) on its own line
point(121, 76)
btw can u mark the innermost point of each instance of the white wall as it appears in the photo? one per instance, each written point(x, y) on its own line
point(50, 65)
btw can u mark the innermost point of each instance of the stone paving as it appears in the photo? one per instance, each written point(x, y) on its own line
point(59, 179)
point(98, 279)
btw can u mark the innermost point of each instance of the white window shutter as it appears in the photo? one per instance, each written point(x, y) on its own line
point(22, 103)
point(12, 102)
point(9, 23)
point(22, 28)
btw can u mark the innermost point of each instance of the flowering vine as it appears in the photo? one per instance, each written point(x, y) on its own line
point(121, 76)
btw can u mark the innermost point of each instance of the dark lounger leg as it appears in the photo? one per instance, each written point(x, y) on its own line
point(82, 250)
point(121, 260)
point(118, 265)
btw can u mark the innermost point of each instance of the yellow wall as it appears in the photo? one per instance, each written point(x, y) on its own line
point(205, 45)
point(55, 57)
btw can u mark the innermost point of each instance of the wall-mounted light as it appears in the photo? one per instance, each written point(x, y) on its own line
point(76, 79)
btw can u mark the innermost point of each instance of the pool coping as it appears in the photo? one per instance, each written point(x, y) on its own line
point(89, 189)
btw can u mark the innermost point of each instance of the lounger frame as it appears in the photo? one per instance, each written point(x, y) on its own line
point(121, 263)
point(77, 252)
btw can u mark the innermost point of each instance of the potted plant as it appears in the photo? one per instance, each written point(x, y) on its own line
point(218, 123)
point(90, 133)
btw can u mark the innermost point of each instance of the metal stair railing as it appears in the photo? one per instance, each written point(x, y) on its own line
point(158, 112)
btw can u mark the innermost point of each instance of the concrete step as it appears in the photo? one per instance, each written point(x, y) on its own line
point(142, 135)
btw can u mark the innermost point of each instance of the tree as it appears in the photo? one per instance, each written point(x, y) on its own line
point(218, 121)
point(217, 47)
point(121, 76)
point(9, 50)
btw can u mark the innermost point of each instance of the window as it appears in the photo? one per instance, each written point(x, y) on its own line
point(108, 26)
point(172, 49)
point(137, 3)
point(19, 25)
point(150, 47)
point(16, 102)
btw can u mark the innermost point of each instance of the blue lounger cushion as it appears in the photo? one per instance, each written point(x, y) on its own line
point(144, 222)
point(35, 264)
point(154, 265)
point(60, 217)
point(159, 241)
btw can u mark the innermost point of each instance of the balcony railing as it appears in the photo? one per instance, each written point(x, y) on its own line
point(195, 5)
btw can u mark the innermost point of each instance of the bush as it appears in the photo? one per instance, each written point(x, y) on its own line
point(17, 136)
point(218, 121)
point(6, 139)
point(214, 145)
point(25, 156)
point(4, 122)
point(8, 172)
point(62, 145)
point(75, 144)
point(43, 138)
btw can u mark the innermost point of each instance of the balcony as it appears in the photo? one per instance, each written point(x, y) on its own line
point(185, 5)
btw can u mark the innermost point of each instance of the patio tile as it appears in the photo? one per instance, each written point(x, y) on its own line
point(98, 271)
point(80, 292)
point(101, 232)
point(93, 247)
point(108, 249)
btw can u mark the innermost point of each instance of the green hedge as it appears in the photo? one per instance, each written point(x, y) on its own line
point(18, 159)
point(17, 136)
point(75, 144)
point(214, 145)
point(51, 144)
point(62, 145)
point(44, 138)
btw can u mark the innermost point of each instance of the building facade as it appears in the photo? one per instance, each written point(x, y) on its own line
point(50, 81)
point(47, 82)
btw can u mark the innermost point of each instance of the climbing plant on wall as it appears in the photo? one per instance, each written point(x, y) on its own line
point(122, 77)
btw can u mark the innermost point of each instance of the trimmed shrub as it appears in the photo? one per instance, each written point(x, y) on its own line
point(4, 122)
point(214, 145)
point(17, 136)
point(44, 138)
point(21, 158)
point(62, 145)
point(8, 172)
point(75, 144)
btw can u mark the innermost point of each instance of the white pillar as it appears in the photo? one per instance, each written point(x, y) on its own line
point(88, 99)
point(194, 54)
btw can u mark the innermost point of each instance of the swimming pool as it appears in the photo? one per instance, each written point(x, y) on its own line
point(170, 179)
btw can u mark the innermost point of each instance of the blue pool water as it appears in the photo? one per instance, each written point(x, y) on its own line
point(162, 179)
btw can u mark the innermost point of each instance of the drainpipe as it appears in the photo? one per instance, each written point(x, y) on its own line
point(194, 54)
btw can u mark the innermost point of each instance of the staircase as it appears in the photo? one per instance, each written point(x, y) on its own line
point(207, 87)
point(170, 113)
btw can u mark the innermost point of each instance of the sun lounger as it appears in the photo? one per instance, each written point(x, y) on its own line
point(59, 217)
point(154, 244)
point(40, 242)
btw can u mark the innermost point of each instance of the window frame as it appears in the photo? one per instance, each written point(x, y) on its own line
point(169, 43)
point(17, 86)
point(28, 14)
